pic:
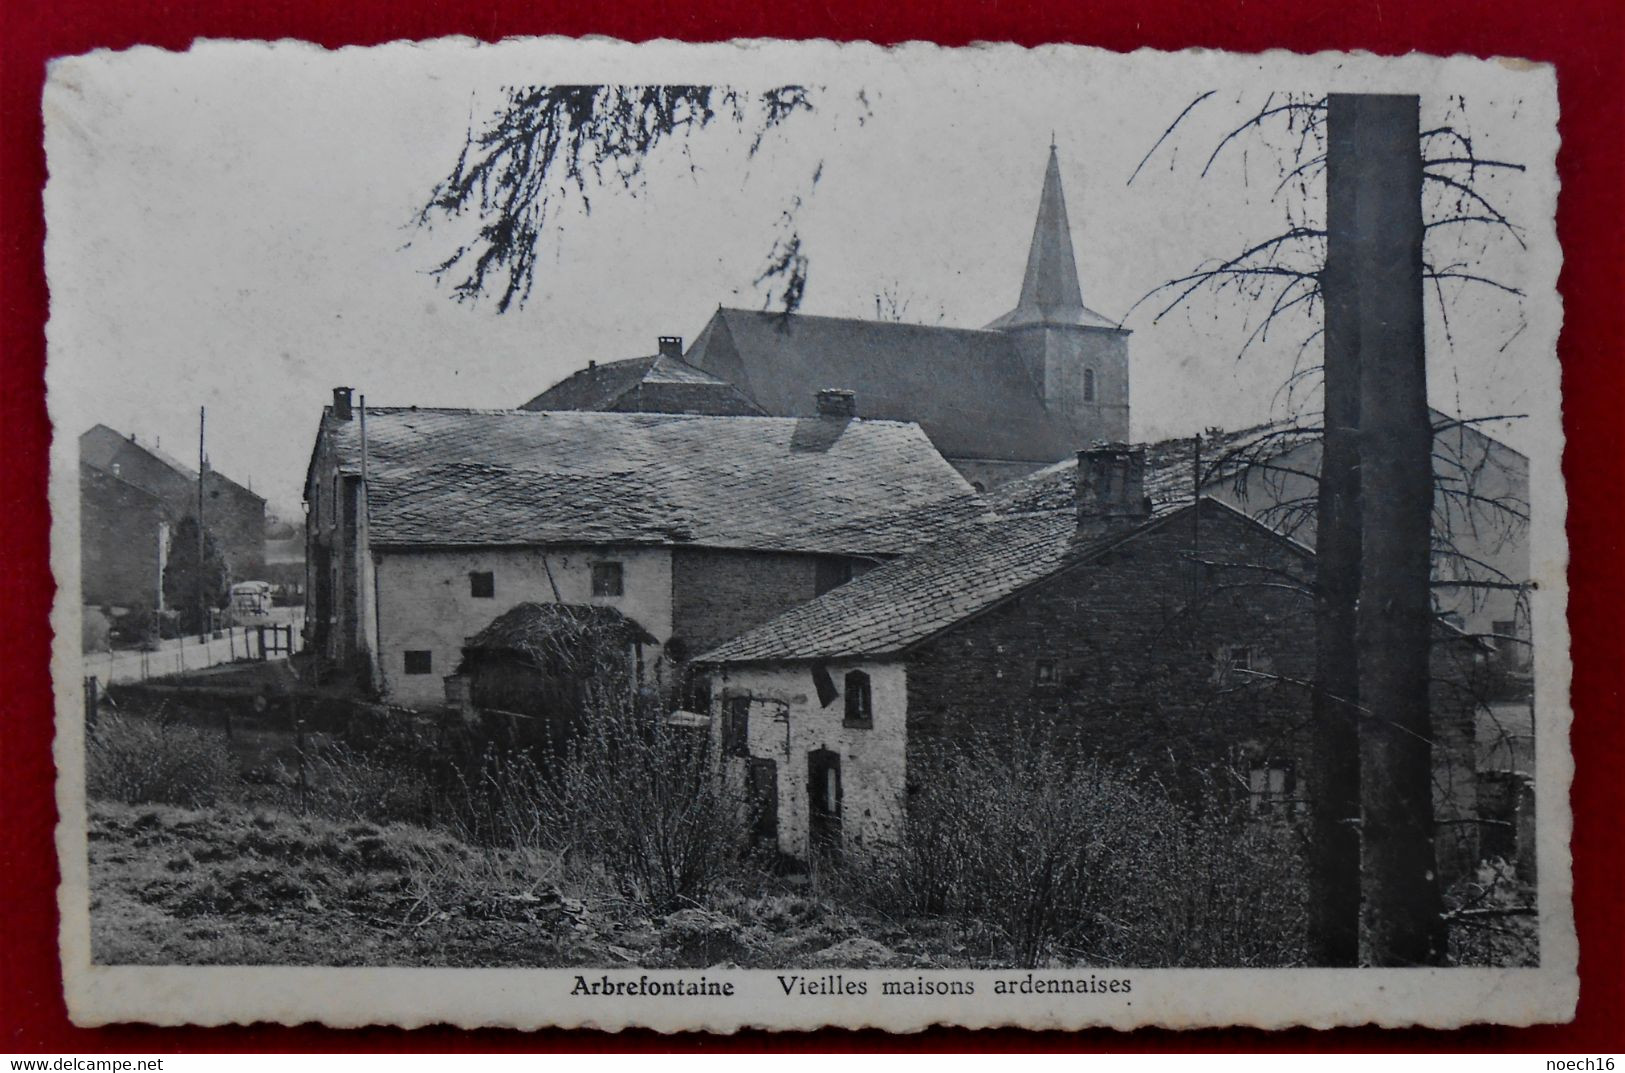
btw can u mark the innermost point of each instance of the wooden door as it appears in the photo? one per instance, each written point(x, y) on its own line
point(762, 786)
point(824, 803)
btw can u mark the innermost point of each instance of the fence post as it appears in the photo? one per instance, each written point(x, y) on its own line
point(262, 643)
point(92, 703)
point(299, 746)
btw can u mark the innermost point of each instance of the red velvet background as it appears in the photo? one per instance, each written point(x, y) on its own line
point(1583, 38)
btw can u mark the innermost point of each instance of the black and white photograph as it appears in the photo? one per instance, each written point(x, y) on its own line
point(565, 532)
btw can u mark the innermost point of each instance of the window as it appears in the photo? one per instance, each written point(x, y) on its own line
point(482, 584)
point(606, 579)
point(1269, 787)
point(859, 706)
point(419, 661)
point(1239, 658)
point(1088, 385)
point(736, 726)
point(1044, 672)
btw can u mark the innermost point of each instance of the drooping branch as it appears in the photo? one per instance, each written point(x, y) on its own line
point(548, 148)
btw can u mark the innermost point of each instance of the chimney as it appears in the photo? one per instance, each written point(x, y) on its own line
point(342, 408)
point(671, 346)
point(1111, 486)
point(837, 402)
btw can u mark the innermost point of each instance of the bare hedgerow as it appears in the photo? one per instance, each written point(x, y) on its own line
point(1069, 860)
point(157, 761)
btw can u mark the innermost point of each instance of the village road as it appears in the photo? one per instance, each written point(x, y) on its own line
point(188, 653)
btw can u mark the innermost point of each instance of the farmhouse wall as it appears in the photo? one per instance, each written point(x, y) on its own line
point(787, 722)
point(425, 602)
point(1131, 656)
point(719, 593)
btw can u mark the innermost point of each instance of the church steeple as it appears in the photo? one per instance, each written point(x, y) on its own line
point(1050, 293)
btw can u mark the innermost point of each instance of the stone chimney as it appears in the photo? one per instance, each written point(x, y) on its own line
point(671, 346)
point(343, 409)
point(837, 402)
point(1111, 487)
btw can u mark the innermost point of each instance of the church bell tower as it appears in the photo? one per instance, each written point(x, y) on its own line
point(1077, 358)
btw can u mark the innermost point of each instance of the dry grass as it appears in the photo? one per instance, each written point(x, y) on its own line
point(244, 886)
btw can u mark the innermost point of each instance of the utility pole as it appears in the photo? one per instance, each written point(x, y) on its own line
point(202, 603)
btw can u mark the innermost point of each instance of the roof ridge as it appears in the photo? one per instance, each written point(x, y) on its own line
point(866, 321)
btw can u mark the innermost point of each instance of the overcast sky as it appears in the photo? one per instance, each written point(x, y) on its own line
point(230, 227)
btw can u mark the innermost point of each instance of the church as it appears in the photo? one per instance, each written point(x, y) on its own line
point(998, 402)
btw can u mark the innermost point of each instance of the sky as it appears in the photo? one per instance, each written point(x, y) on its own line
point(233, 227)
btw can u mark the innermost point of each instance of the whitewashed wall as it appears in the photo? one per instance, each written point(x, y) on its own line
point(423, 602)
point(787, 723)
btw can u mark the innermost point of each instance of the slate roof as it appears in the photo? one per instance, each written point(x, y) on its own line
point(906, 601)
point(100, 447)
point(968, 388)
point(440, 477)
point(527, 626)
point(670, 384)
point(1169, 470)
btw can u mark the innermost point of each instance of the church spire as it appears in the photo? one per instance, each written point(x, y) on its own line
point(1050, 294)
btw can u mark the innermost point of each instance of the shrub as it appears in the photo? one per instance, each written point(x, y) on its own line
point(640, 794)
point(157, 761)
point(1065, 859)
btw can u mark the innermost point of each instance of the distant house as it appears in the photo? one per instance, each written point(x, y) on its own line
point(1179, 639)
point(662, 383)
point(117, 550)
point(999, 402)
point(124, 538)
point(693, 527)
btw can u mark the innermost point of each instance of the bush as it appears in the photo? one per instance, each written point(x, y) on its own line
point(1067, 860)
point(157, 761)
point(641, 796)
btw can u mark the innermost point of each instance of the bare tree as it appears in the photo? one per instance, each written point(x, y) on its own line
point(1371, 751)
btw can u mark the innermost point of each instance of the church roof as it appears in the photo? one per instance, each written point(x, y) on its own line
point(968, 388)
point(1050, 292)
point(658, 383)
point(445, 478)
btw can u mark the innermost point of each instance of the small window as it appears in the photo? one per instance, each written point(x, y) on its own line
point(1269, 787)
point(482, 584)
point(859, 703)
point(1088, 385)
point(1044, 672)
point(606, 579)
point(1239, 658)
point(736, 726)
point(419, 661)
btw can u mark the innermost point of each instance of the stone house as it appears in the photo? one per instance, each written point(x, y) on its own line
point(998, 402)
point(424, 525)
point(234, 514)
point(123, 544)
point(1179, 639)
point(1271, 472)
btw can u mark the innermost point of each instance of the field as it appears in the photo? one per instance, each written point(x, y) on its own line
point(242, 886)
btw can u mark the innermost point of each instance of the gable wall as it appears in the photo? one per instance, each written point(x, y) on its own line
point(424, 602)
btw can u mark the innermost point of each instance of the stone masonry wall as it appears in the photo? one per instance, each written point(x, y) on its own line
point(1140, 644)
point(718, 594)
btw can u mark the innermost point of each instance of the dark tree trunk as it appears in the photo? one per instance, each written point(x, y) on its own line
point(1374, 185)
point(1334, 778)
